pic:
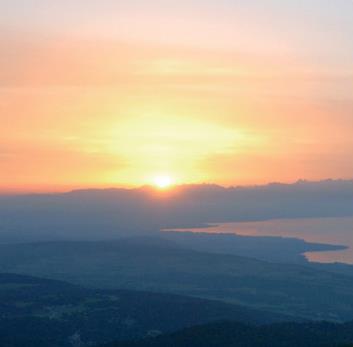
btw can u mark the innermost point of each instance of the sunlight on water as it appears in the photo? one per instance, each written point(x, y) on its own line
point(334, 231)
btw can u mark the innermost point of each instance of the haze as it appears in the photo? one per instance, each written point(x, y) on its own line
point(107, 93)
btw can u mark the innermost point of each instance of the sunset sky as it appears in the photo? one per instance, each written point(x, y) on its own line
point(100, 93)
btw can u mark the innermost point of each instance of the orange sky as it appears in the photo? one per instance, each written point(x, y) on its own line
point(117, 98)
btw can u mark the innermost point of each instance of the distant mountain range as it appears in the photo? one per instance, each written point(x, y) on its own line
point(112, 213)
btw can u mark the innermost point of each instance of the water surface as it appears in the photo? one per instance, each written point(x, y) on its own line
point(334, 231)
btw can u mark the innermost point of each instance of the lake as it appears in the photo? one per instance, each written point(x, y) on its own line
point(335, 231)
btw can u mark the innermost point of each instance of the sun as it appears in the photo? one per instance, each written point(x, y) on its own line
point(163, 181)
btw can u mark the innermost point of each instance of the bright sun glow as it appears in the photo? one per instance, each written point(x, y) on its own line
point(163, 181)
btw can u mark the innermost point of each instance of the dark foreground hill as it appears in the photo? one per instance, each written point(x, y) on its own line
point(230, 334)
point(158, 266)
point(45, 313)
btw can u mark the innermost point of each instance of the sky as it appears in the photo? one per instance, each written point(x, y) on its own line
point(115, 93)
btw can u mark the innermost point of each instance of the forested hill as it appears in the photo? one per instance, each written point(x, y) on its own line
point(45, 313)
point(230, 334)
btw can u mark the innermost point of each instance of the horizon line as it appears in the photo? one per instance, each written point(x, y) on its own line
point(66, 189)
